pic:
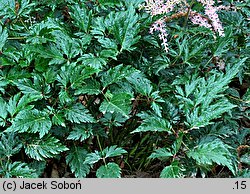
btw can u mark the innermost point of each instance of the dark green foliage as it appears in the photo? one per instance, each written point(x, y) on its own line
point(77, 114)
point(31, 121)
point(209, 151)
point(75, 159)
point(172, 171)
point(81, 132)
point(40, 149)
point(9, 145)
point(117, 103)
point(152, 123)
point(84, 85)
point(17, 170)
point(111, 170)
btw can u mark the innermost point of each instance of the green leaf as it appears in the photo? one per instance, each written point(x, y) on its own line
point(123, 28)
point(113, 151)
point(73, 76)
point(223, 44)
point(178, 142)
point(65, 97)
point(76, 75)
point(117, 103)
point(9, 145)
point(27, 87)
point(58, 116)
point(88, 72)
point(113, 119)
point(109, 53)
point(65, 45)
point(82, 17)
point(60, 51)
point(47, 147)
point(108, 43)
point(3, 82)
point(6, 7)
point(50, 52)
point(245, 173)
point(111, 170)
point(81, 133)
point(92, 61)
point(116, 74)
point(126, 29)
point(111, 3)
point(224, 129)
point(3, 37)
point(92, 87)
point(152, 123)
point(77, 113)
point(75, 159)
point(13, 74)
point(3, 112)
point(214, 111)
point(246, 96)
point(31, 121)
point(19, 103)
point(26, 6)
point(155, 103)
point(140, 83)
point(37, 88)
point(41, 32)
point(63, 49)
point(209, 152)
point(134, 3)
point(58, 119)
point(172, 171)
point(203, 99)
point(245, 159)
point(39, 167)
point(17, 170)
point(161, 153)
point(92, 158)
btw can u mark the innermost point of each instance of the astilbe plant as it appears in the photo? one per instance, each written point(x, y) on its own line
point(174, 9)
point(87, 89)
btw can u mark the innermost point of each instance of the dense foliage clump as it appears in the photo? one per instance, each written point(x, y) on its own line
point(114, 88)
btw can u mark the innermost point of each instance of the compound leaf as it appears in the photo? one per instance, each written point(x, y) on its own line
point(82, 17)
point(126, 29)
point(172, 171)
point(111, 170)
point(152, 123)
point(17, 170)
point(140, 83)
point(93, 158)
point(81, 133)
point(203, 99)
point(19, 103)
point(31, 121)
point(117, 103)
point(47, 147)
point(9, 145)
point(3, 37)
point(161, 153)
point(115, 74)
point(209, 152)
point(75, 159)
point(92, 61)
point(3, 112)
point(113, 151)
point(91, 87)
point(77, 113)
point(245, 158)
point(36, 88)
